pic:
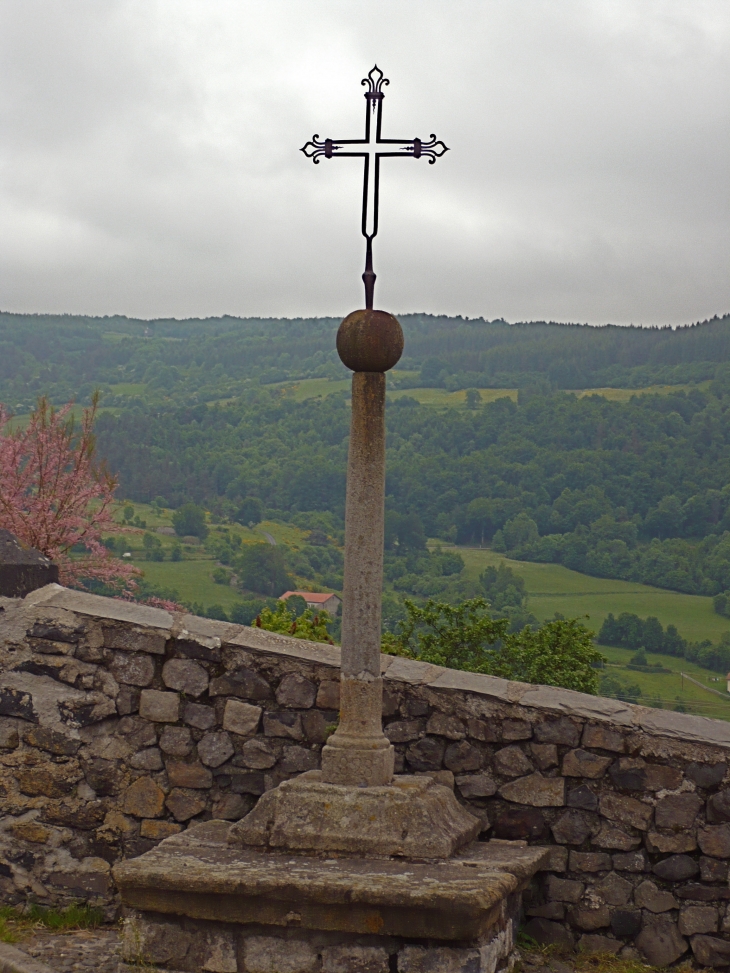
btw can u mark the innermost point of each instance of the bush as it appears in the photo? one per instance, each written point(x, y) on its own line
point(189, 520)
point(262, 568)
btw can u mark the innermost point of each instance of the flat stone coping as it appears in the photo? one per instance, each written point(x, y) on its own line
point(14, 960)
point(197, 874)
point(546, 699)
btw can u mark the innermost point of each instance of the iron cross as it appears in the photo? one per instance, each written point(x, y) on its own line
point(373, 148)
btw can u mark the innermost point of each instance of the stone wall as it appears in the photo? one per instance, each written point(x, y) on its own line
point(119, 724)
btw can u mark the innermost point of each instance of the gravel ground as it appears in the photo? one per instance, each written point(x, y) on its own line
point(83, 950)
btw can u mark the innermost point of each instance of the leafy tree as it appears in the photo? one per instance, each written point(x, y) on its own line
point(221, 576)
point(404, 532)
point(307, 626)
point(473, 398)
point(250, 511)
point(153, 548)
point(296, 604)
point(189, 520)
point(262, 568)
point(176, 552)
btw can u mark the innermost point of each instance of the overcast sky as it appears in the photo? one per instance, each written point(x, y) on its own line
point(149, 159)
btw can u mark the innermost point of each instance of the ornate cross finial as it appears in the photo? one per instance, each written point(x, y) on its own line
point(375, 148)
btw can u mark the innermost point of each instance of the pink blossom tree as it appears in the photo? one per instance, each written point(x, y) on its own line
point(54, 495)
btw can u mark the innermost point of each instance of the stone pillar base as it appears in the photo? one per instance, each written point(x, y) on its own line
point(357, 767)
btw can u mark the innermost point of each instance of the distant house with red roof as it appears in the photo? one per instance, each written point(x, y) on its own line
point(318, 600)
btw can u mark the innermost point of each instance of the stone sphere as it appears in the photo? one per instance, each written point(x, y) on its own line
point(370, 341)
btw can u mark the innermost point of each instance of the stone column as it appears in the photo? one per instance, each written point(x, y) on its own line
point(358, 753)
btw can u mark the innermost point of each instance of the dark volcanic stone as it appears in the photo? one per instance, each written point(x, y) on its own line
point(244, 683)
point(582, 797)
point(633, 779)
point(677, 812)
point(562, 731)
point(676, 868)
point(571, 828)
point(706, 775)
point(661, 944)
point(548, 933)
point(427, 754)
point(718, 807)
point(703, 893)
point(625, 922)
point(462, 756)
point(711, 870)
point(518, 824)
point(14, 702)
point(711, 951)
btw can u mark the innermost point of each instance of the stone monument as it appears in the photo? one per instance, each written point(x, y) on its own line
point(22, 568)
point(347, 868)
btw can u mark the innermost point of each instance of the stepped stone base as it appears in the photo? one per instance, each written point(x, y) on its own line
point(197, 903)
point(413, 817)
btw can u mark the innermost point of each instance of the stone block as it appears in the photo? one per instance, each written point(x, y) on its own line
point(219, 955)
point(512, 762)
point(48, 779)
point(159, 707)
point(693, 892)
point(516, 730)
point(660, 777)
point(589, 918)
point(711, 951)
point(547, 910)
point(287, 725)
point(297, 760)
point(632, 861)
point(328, 694)
point(706, 776)
point(144, 799)
point(271, 954)
point(571, 828)
point(199, 716)
point(545, 755)
point(176, 741)
point(583, 763)
point(562, 731)
point(563, 889)
point(625, 810)
point(599, 944)
point(519, 824)
point(677, 812)
point(133, 668)
point(663, 843)
point(89, 876)
point(9, 738)
point(161, 941)
point(241, 718)
point(712, 870)
point(193, 775)
point(482, 731)
point(557, 861)
point(426, 754)
point(296, 692)
point(625, 922)
point(355, 959)
point(714, 840)
point(648, 896)
point(127, 700)
point(52, 741)
point(185, 676)
point(676, 868)
point(258, 754)
point(15, 702)
point(31, 831)
point(462, 757)
point(149, 759)
point(614, 839)
point(244, 683)
point(232, 807)
point(548, 933)
point(184, 803)
point(535, 791)
point(314, 724)
point(718, 807)
point(403, 731)
point(103, 776)
point(132, 639)
point(439, 724)
point(215, 748)
point(252, 782)
point(439, 959)
point(698, 919)
point(661, 944)
point(590, 861)
point(158, 830)
point(476, 785)
point(603, 738)
point(582, 797)
point(614, 890)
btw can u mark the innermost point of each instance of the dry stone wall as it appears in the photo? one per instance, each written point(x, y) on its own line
point(120, 724)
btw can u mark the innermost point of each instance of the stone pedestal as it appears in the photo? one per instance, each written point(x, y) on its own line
point(198, 903)
point(23, 569)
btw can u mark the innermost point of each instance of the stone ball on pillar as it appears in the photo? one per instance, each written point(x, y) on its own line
point(370, 341)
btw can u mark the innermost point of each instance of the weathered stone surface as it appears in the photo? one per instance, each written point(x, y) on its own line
point(461, 757)
point(184, 803)
point(296, 691)
point(104, 776)
point(517, 824)
point(159, 707)
point(614, 890)
point(328, 694)
point(625, 922)
point(232, 807)
point(676, 868)
point(439, 959)
point(548, 910)
point(545, 755)
point(512, 762)
point(52, 741)
point(287, 725)
point(193, 775)
point(548, 933)
point(155, 942)
point(556, 861)
point(712, 870)
point(135, 639)
point(711, 951)
point(582, 797)
point(144, 799)
point(614, 839)
point(603, 738)
point(249, 782)
point(633, 861)
point(176, 741)
point(15, 702)
point(571, 828)
point(648, 896)
point(297, 760)
point(439, 724)
point(149, 759)
point(315, 726)
point(693, 892)
point(677, 812)
point(48, 780)
point(199, 716)
point(698, 918)
point(599, 944)
point(660, 777)
point(91, 875)
point(582, 763)
point(215, 748)
point(244, 683)
point(476, 785)
point(591, 861)
point(269, 954)
point(516, 730)
point(706, 775)
point(185, 676)
point(9, 737)
point(663, 843)
point(403, 731)
point(629, 775)
point(426, 754)
point(158, 830)
point(258, 754)
point(562, 731)
point(661, 944)
point(133, 668)
point(625, 810)
point(358, 959)
point(535, 791)
point(589, 918)
point(714, 840)
point(241, 718)
point(31, 831)
point(563, 889)
point(718, 807)
point(482, 731)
